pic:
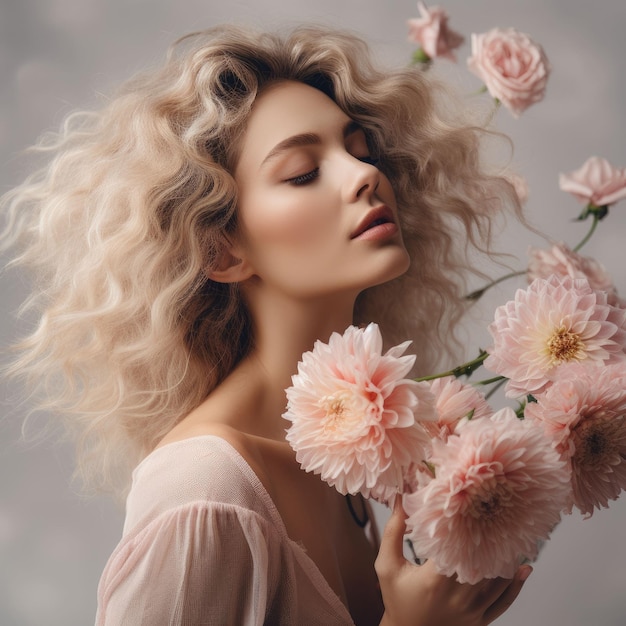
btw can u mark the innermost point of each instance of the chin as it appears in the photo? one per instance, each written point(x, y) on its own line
point(400, 264)
point(393, 269)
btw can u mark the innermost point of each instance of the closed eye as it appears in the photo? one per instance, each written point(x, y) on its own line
point(370, 160)
point(303, 179)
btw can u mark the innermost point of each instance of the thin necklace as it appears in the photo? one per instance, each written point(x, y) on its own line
point(360, 521)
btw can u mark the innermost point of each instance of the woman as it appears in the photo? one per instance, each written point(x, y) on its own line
point(191, 241)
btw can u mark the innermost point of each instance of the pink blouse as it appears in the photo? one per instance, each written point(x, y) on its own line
point(203, 543)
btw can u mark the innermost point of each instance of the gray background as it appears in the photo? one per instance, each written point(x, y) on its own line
point(59, 55)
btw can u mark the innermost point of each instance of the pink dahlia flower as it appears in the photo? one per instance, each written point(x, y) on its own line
point(585, 413)
point(454, 401)
point(596, 182)
point(498, 491)
point(553, 322)
point(430, 30)
point(563, 261)
point(355, 418)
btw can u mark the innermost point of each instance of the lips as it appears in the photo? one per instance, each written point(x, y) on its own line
point(376, 217)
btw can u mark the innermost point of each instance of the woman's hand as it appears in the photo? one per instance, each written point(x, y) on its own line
point(416, 595)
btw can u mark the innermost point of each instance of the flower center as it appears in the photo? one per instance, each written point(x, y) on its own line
point(491, 501)
point(346, 411)
point(595, 443)
point(564, 346)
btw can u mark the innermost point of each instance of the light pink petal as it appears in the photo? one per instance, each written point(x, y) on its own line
point(553, 322)
point(596, 182)
point(353, 414)
point(431, 31)
point(498, 490)
point(513, 67)
point(583, 412)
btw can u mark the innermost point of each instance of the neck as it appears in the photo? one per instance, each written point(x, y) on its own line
point(284, 328)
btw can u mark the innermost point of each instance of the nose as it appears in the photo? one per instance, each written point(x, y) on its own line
point(362, 178)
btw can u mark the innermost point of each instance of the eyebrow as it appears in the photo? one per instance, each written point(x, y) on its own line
point(307, 139)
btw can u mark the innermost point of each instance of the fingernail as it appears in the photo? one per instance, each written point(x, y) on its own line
point(525, 573)
point(397, 503)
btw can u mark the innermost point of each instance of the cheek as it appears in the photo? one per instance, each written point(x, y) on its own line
point(284, 221)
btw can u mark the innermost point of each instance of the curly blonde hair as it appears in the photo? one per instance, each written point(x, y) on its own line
point(123, 223)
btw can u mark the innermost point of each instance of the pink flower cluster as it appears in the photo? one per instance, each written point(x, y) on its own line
point(561, 343)
point(513, 68)
point(481, 490)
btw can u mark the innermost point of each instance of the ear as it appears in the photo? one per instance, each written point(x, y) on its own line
point(231, 266)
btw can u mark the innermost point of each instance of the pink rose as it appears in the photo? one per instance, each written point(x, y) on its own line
point(596, 182)
point(513, 67)
point(431, 32)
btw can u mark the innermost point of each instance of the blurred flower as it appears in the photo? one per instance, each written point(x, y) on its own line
point(431, 32)
point(455, 401)
point(513, 67)
point(520, 184)
point(553, 322)
point(563, 261)
point(499, 489)
point(353, 414)
point(597, 182)
point(585, 413)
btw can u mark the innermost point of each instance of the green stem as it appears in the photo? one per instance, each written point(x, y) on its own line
point(466, 369)
point(479, 91)
point(495, 109)
point(421, 58)
point(489, 381)
point(475, 295)
point(495, 388)
point(587, 237)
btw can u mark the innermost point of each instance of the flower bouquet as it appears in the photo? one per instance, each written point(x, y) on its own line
point(483, 488)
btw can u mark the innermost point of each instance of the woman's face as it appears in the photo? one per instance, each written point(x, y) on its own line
point(316, 216)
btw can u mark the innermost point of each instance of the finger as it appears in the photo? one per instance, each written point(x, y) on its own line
point(487, 592)
point(391, 553)
point(509, 594)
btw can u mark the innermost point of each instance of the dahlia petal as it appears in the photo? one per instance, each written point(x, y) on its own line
point(353, 414)
point(499, 489)
point(555, 321)
point(584, 415)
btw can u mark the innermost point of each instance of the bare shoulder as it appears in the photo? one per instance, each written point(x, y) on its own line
point(250, 448)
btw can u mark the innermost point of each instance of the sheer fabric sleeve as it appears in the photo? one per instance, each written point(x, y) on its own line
point(200, 563)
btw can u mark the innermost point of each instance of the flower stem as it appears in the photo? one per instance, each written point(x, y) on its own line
point(466, 369)
point(495, 388)
point(416, 559)
point(421, 58)
point(490, 381)
point(475, 295)
point(587, 237)
point(495, 109)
